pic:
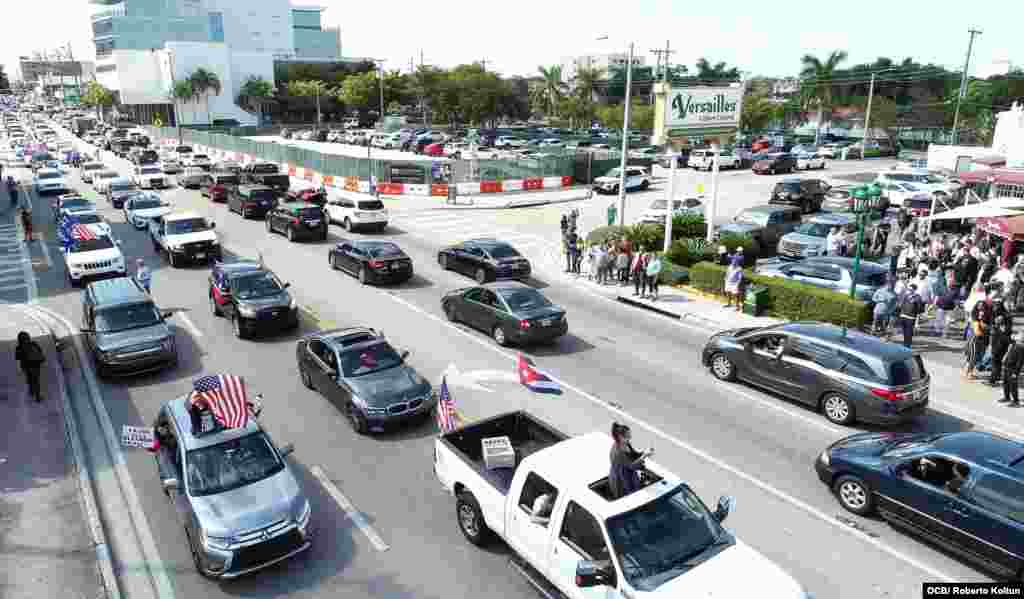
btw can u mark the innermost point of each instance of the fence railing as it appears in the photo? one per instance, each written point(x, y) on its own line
point(582, 166)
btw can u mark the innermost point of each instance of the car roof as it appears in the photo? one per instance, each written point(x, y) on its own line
point(770, 208)
point(178, 409)
point(351, 337)
point(47, 170)
point(238, 267)
point(862, 343)
point(117, 291)
point(186, 214)
point(254, 188)
point(982, 448)
point(367, 243)
point(865, 265)
point(506, 285)
point(295, 205)
point(830, 218)
point(486, 242)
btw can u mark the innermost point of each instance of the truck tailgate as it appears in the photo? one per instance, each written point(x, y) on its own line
point(457, 475)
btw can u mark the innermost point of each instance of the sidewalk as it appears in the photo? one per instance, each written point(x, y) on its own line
point(46, 548)
point(485, 201)
point(971, 401)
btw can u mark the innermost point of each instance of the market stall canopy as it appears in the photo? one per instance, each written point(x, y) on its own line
point(1005, 227)
point(1000, 175)
point(982, 210)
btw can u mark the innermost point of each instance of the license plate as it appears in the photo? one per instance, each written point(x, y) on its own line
point(200, 254)
point(313, 223)
point(264, 202)
point(546, 322)
point(396, 267)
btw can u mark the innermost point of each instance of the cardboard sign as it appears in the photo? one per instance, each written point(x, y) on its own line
point(136, 436)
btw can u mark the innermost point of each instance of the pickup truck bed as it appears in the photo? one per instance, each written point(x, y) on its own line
point(527, 434)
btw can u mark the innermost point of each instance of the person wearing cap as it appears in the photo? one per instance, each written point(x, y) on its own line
point(143, 275)
point(910, 308)
point(1012, 363)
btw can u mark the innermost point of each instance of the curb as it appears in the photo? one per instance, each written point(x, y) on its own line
point(85, 484)
point(645, 306)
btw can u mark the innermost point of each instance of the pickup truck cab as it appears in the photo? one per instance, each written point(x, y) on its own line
point(659, 541)
point(266, 173)
point(184, 237)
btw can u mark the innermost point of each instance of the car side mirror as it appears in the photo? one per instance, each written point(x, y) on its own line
point(286, 286)
point(725, 505)
point(170, 484)
point(118, 242)
point(404, 354)
point(166, 314)
point(213, 225)
point(286, 450)
point(592, 574)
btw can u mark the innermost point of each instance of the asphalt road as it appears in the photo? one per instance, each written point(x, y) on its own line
point(616, 363)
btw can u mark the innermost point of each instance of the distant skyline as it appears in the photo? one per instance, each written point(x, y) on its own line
point(759, 39)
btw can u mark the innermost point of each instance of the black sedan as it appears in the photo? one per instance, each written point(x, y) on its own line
point(297, 220)
point(371, 260)
point(485, 260)
point(961, 491)
point(359, 372)
point(511, 312)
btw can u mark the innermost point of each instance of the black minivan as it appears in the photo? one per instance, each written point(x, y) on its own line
point(251, 200)
point(846, 375)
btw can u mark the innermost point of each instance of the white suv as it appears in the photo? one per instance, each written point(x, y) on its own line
point(49, 180)
point(150, 175)
point(920, 179)
point(357, 214)
point(92, 252)
point(636, 178)
point(705, 159)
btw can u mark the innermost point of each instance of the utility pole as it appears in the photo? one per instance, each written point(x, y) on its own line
point(867, 118)
point(423, 99)
point(625, 139)
point(380, 70)
point(663, 59)
point(963, 86)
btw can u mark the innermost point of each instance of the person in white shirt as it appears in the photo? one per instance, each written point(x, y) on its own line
point(1004, 275)
point(833, 242)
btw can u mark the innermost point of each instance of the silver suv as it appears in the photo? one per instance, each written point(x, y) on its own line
point(241, 505)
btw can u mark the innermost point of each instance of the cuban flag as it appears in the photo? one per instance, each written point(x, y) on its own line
point(534, 379)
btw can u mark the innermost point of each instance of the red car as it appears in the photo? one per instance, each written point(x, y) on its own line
point(217, 192)
point(310, 196)
point(435, 149)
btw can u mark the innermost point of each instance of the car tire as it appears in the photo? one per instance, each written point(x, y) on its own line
point(722, 367)
point(356, 420)
point(854, 495)
point(451, 313)
point(347, 224)
point(806, 207)
point(615, 190)
point(304, 377)
point(291, 235)
point(645, 185)
point(837, 409)
point(471, 520)
point(498, 334)
point(382, 227)
point(270, 228)
point(175, 263)
point(364, 278)
point(214, 308)
point(236, 326)
point(442, 260)
point(480, 276)
point(331, 261)
point(771, 171)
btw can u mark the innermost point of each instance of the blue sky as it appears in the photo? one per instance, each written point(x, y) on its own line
point(764, 38)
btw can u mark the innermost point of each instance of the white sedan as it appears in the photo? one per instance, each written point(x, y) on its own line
point(139, 209)
point(808, 161)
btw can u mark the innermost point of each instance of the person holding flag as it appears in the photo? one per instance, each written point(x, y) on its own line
point(143, 275)
point(447, 415)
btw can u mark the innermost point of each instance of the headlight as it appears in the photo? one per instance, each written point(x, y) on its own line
point(826, 458)
point(214, 542)
point(369, 411)
point(247, 311)
point(303, 517)
point(174, 248)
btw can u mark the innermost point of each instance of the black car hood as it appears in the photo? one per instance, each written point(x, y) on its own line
point(381, 389)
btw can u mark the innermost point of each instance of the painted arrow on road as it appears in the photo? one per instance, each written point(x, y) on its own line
point(471, 379)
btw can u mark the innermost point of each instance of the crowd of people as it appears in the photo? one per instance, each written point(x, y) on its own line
point(612, 262)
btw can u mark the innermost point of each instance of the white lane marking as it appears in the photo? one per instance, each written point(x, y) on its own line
point(191, 326)
point(46, 253)
point(31, 291)
point(353, 514)
point(703, 455)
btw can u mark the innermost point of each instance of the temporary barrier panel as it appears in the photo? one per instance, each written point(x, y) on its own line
point(439, 190)
point(513, 185)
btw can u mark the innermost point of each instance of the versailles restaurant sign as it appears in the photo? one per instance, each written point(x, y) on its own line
point(704, 108)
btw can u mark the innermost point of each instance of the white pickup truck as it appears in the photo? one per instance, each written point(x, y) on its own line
point(582, 543)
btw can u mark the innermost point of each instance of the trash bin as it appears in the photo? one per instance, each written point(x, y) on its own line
point(755, 302)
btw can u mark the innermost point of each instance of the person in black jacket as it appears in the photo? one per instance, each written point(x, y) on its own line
point(1011, 371)
point(911, 307)
point(1002, 331)
point(31, 357)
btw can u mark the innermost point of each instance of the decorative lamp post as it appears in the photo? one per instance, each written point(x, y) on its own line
point(866, 199)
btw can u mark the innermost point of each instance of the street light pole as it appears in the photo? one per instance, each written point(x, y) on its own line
point(867, 117)
point(625, 140)
point(668, 203)
point(319, 117)
point(380, 69)
point(963, 86)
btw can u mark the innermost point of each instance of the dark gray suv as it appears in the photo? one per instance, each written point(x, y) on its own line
point(123, 328)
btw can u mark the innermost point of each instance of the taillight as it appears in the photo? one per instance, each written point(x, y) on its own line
point(295, 220)
point(887, 394)
point(524, 324)
point(376, 264)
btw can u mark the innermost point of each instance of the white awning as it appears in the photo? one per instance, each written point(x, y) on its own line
point(983, 210)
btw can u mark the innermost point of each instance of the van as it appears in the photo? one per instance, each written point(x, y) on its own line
point(124, 330)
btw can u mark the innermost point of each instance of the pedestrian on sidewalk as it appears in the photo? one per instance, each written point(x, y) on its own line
point(26, 222)
point(885, 304)
point(833, 242)
point(944, 304)
point(653, 274)
point(1011, 371)
point(31, 357)
point(733, 280)
point(577, 255)
point(622, 267)
point(565, 225)
point(143, 275)
point(978, 336)
point(638, 269)
point(910, 308)
point(1002, 332)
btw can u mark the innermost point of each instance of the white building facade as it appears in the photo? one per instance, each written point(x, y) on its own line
point(144, 46)
point(603, 63)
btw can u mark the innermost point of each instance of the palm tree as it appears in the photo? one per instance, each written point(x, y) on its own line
point(552, 87)
point(256, 92)
point(205, 83)
point(820, 90)
point(716, 72)
point(182, 92)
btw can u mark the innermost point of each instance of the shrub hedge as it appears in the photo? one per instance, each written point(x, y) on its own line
point(789, 299)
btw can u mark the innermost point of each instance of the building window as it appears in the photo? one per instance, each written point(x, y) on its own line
point(104, 48)
point(216, 27)
point(106, 68)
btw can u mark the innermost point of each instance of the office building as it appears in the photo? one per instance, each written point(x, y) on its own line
point(602, 63)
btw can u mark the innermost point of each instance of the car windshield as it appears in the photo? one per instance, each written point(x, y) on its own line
point(814, 229)
point(502, 251)
point(367, 360)
point(146, 204)
point(187, 225)
point(122, 186)
point(75, 203)
point(874, 279)
point(841, 194)
point(931, 179)
point(50, 175)
point(127, 316)
point(658, 204)
point(87, 218)
point(91, 245)
point(664, 538)
point(371, 205)
point(265, 169)
point(256, 285)
point(384, 250)
point(150, 171)
point(752, 218)
point(232, 464)
point(613, 173)
point(524, 299)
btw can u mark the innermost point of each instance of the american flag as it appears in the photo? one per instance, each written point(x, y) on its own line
point(447, 417)
point(80, 231)
point(225, 396)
